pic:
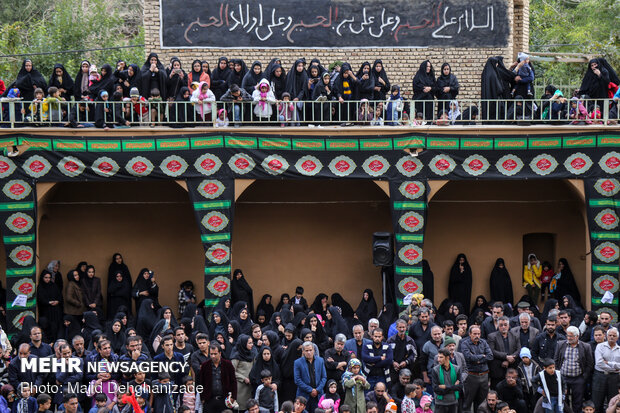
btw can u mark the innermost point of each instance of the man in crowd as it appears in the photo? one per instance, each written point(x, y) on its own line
point(310, 375)
point(71, 403)
point(420, 332)
point(490, 324)
point(373, 324)
point(511, 391)
point(524, 308)
point(524, 332)
point(447, 386)
point(65, 378)
point(477, 354)
point(355, 345)
point(598, 336)
point(15, 368)
point(336, 360)
point(574, 360)
point(429, 352)
point(379, 396)
point(377, 359)
point(489, 405)
point(404, 352)
point(505, 348)
point(563, 322)
point(201, 355)
point(180, 343)
point(133, 354)
point(78, 347)
point(606, 370)
point(588, 323)
point(37, 346)
point(545, 343)
point(398, 386)
point(448, 331)
point(169, 356)
point(217, 377)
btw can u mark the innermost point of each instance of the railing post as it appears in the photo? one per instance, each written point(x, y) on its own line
point(12, 114)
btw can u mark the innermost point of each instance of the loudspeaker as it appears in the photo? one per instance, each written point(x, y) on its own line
point(382, 248)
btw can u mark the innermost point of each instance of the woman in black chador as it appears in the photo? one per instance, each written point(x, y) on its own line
point(459, 288)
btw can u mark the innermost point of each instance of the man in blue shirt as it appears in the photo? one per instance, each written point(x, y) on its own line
point(169, 356)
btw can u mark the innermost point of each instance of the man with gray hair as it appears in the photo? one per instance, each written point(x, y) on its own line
point(373, 324)
point(336, 360)
point(606, 369)
point(310, 375)
point(574, 360)
point(525, 331)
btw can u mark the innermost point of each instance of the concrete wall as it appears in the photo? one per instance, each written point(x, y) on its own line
point(317, 234)
point(487, 220)
point(151, 224)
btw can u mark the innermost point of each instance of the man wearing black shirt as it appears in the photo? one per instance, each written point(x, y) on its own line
point(217, 377)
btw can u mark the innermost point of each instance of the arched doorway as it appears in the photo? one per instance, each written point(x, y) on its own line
point(488, 219)
point(315, 233)
point(151, 224)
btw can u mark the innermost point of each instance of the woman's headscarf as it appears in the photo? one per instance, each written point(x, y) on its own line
point(296, 82)
point(337, 323)
point(260, 364)
point(281, 303)
point(267, 308)
point(236, 330)
point(317, 305)
point(593, 85)
point(501, 285)
point(566, 284)
point(345, 307)
point(448, 80)
point(147, 317)
point(65, 81)
point(292, 353)
point(387, 317)
point(241, 352)
point(28, 81)
point(423, 79)
point(117, 340)
point(367, 309)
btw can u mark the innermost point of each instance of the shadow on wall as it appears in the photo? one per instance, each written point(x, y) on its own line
point(488, 219)
point(151, 224)
point(316, 233)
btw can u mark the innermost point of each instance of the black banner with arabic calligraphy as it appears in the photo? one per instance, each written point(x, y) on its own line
point(333, 23)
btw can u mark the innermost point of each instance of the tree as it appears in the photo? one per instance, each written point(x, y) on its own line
point(63, 26)
point(581, 26)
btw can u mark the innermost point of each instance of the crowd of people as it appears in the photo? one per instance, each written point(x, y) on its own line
point(232, 94)
point(323, 356)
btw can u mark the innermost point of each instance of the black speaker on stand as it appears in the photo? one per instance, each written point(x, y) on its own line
point(383, 256)
point(382, 249)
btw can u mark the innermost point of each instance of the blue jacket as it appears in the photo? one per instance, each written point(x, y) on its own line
point(302, 376)
point(351, 346)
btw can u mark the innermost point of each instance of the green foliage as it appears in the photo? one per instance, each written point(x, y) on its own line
point(69, 26)
point(591, 27)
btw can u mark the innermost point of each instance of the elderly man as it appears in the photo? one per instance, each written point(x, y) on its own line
point(398, 387)
point(355, 345)
point(373, 324)
point(606, 369)
point(477, 354)
point(403, 350)
point(524, 308)
point(574, 360)
point(505, 348)
point(524, 332)
point(310, 375)
point(336, 360)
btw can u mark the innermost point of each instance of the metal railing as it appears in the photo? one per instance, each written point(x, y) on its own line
point(16, 113)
